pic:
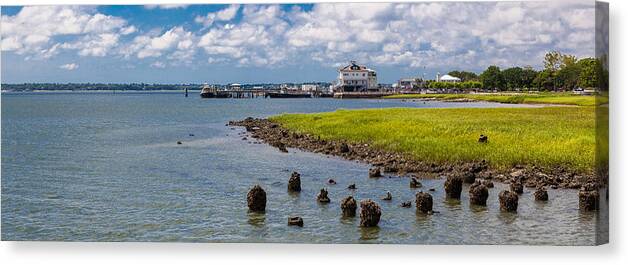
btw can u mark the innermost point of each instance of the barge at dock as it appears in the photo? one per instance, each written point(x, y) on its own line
point(212, 92)
point(288, 94)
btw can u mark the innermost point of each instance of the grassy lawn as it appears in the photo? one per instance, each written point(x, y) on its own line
point(543, 98)
point(547, 137)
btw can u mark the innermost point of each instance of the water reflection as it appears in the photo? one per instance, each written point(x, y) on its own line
point(478, 210)
point(369, 233)
point(587, 216)
point(453, 204)
point(507, 217)
point(257, 219)
point(346, 220)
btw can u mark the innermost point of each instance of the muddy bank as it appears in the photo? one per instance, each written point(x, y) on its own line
point(392, 163)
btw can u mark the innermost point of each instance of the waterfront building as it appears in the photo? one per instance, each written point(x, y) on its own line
point(356, 78)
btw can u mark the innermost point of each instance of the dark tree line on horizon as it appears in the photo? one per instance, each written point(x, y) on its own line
point(96, 86)
point(121, 87)
point(561, 72)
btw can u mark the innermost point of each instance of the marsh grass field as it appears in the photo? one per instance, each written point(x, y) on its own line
point(546, 136)
point(511, 98)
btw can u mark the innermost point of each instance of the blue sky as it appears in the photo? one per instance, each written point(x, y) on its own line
point(284, 43)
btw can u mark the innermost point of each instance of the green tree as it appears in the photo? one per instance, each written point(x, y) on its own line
point(527, 77)
point(492, 78)
point(554, 61)
point(513, 78)
point(568, 60)
point(464, 75)
point(588, 72)
point(568, 76)
point(544, 80)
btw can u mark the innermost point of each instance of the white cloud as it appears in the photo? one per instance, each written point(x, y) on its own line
point(176, 40)
point(256, 40)
point(580, 18)
point(35, 29)
point(69, 66)
point(226, 14)
point(94, 45)
point(409, 35)
point(166, 6)
point(128, 30)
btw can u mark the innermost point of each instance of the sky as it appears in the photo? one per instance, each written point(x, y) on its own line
point(255, 43)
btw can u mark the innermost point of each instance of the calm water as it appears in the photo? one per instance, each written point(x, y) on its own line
point(106, 167)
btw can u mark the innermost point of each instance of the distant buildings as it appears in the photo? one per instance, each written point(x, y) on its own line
point(408, 84)
point(356, 78)
point(235, 86)
point(309, 87)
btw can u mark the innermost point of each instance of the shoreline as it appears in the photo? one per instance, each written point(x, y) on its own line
point(402, 165)
point(561, 99)
point(470, 100)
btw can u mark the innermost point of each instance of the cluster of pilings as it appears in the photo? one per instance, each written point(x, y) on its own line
point(370, 211)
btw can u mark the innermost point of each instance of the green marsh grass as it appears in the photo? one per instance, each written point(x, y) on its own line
point(544, 136)
point(542, 98)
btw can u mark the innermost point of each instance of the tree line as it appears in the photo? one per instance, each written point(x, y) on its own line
point(97, 86)
point(561, 72)
point(130, 86)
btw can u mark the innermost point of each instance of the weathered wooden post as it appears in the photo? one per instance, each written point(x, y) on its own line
point(369, 213)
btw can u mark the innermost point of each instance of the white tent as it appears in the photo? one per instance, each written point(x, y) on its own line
point(448, 78)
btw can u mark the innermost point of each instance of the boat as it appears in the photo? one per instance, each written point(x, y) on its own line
point(211, 92)
point(288, 94)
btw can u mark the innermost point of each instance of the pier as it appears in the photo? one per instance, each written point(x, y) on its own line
point(255, 93)
point(362, 94)
point(247, 93)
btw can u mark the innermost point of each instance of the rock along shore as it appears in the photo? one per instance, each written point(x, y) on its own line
point(530, 176)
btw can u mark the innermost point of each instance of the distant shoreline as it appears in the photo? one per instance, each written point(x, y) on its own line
point(98, 91)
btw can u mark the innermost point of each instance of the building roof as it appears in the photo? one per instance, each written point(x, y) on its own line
point(353, 66)
point(448, 78)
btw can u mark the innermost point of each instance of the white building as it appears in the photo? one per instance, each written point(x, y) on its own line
point(447, 78)
point(408, 83)
point(356, 78)
point(235, 86)
point(309, 87)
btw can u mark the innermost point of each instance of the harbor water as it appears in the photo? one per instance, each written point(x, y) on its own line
point(107, 167)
